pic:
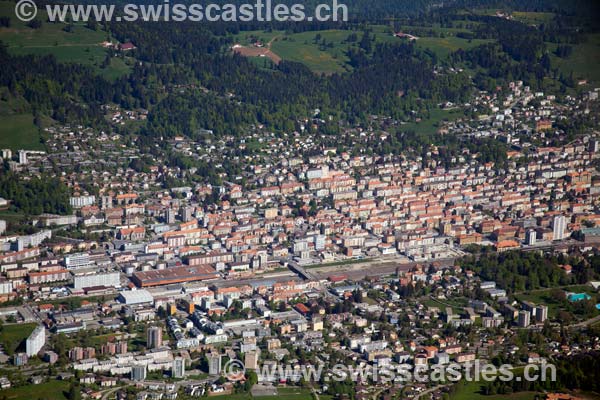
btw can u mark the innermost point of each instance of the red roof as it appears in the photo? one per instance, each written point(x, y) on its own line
point(127, 46)
point(302, 309)
point(337, 278)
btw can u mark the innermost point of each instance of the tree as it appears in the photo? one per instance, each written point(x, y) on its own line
point(251, 380)
point(74, 392)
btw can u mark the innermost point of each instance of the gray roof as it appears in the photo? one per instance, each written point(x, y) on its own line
point(136, 296)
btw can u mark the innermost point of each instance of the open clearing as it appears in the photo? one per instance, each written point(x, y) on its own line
point(81, 45)
point(583, 61)
point(472, 391)
point(257, 52)
point(13, 336)
point(51, 390)
point(325, 52)
point(283, 393)
point(18, 132)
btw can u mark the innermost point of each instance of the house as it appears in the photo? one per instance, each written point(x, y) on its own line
point(137, 233)
point(127, 46)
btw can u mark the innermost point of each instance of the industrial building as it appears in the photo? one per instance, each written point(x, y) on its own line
point(134, 297)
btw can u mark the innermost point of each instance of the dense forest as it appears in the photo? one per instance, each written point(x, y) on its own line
point(64, 92)
point(35, 196)
point(289, 91)
point(384, 10)
point(576, 372)
point(190, 82)
point(278, 98)
point(517, 271)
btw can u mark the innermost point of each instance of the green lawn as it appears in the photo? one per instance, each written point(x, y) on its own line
point(301, 47)
point(19, 132)
point(12, 337)
point(289, 393)
point(457, 304)
point(237, 396)
point(52, 390)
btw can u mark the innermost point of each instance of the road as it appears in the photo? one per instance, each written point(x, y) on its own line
point(428, 391)
point(585, 323)
point(107, 394)
point(546, 289)
point(314, 392)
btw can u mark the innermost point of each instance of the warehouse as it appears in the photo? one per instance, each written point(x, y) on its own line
point(134, 297)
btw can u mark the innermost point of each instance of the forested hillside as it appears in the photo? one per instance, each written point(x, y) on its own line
point(188, 78)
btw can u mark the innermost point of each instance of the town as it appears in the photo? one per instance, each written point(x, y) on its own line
point(317, 251)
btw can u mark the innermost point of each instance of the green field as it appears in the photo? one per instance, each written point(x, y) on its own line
point(325, 51)
point(472, 391)
point(533, 18)
point(19, 132)
point(545, 297)
point(81, 45)
point(301, 47)
point(457, 304)
point(249, 37)
point(117, 68)
point(285, 393)
point(13, 336)
point(442, 47)
point(289, 393)
point(262, 62)
point(583, 62)
point(52, 390)
point(433, 122)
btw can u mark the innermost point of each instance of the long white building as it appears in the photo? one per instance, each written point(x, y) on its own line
point(81, 281)
point(36, 341)
point(82, 201)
